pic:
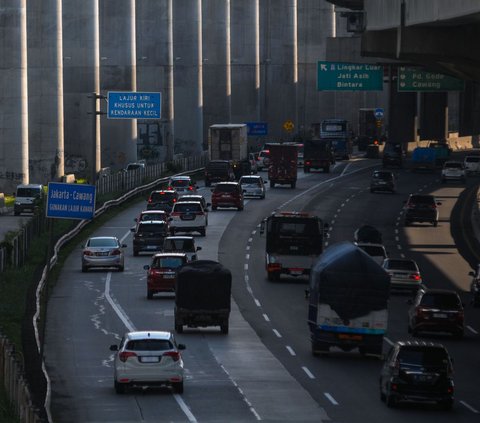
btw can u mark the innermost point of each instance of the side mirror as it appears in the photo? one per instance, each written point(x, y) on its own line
point(181, 346)
point(146, 267)
point(136, 219)
point(262, 227)
point(124, 245)
point(198, 248)
point(114, 347)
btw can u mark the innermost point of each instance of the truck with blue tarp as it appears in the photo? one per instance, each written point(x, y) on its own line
point(348, 301)
point(423, 158)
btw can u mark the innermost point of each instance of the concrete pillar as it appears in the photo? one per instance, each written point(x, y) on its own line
point(13, 96)
point(44, 23)
point(245, 60)
point(187, 53)
point(278, 58)
point(402, 118)
point(155, 74)
point(434, 116)
point(216, 63)
point(81, 77)
point(118, 73)
point(316, 22)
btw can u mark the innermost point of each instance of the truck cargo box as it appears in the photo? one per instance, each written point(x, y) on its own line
point(228, 142)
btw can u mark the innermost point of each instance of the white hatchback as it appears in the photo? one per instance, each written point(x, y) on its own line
point(148, 358)
point(182, 184)
point(453, 170)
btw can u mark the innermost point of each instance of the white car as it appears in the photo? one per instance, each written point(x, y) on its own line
point(471, 164)
point(182, 184)
point(253, 186)
point(103, 251)
point(453, 171)
point(148, 358)
point(404, 273)
point(263, 159)
point(376, 251)
point(188, 216)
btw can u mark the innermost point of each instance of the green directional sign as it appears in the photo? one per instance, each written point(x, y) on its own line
point(414, 79)
point(343, 76)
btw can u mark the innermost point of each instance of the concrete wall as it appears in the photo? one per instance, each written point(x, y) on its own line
point(420, 12)
point(380, 14)
point(13, 95)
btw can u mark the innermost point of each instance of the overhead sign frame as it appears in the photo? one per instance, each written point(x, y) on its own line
point(134, 105)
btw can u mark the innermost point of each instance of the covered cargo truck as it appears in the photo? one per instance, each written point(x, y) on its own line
point(347, 301)
point(423, 158)
point(230, 142)
point(202, 295)
point(282, 167)
point(317, 154)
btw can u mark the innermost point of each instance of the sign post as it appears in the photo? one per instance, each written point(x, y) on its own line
point(343, 76)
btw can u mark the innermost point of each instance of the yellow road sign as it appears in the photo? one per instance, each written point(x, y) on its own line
point(288, 126)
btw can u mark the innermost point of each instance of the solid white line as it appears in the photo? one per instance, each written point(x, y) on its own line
point(276, 332)
point(116, 307)
point(290, 350)
point(124, 237)
point(184, 407)
point(472, 330)
point(308, 372)
point(330, 398)
point(245, 266)
point(257, 302)
point(473, 410)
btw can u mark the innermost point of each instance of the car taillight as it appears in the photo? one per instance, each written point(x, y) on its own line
point(175, 214)
point(174, 354)
point(460, 315)
point(415, 276)
point(190, 188)
point(174, 200)
point(307, 162)
point(433, 206)
point(88, 253)
point(410, 206)
point(273, 266)
point(125, 355)
point(149, 200)
point(116, 252)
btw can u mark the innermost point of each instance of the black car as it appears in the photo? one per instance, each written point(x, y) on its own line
point(421, 208)
point(219, 171)
point(383, 180)
point(417, 371)
point(149, 236)
point(392, 155)
point(162, 200)
point(475, 287)
point(436, 310)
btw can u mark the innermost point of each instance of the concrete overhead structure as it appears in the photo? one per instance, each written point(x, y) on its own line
point(216, 64)
point(245, 60)
point(13, 96)
point(278, 64)
point(155, 74)
point(188, 76)
point(81, 78)
point(44, 23)
point(118, 73)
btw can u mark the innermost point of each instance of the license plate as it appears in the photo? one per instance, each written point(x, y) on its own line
point(296, 271)
point(149, 359)
point(440, 315)
point(102, 254)
point(168, 276)
point(188, 217)
point(350, 337)
point(151, 247)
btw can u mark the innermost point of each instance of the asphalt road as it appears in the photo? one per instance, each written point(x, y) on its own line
point(264, 369)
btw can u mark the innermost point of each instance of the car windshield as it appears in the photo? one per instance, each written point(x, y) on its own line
point(383, 175)
point(454, 165)
point(162, 196)
point(149, 345)
point(153, 216)
point(179, 245)
point(472, 159)
point(440, 300)
point(170, 262)
point(187, 207)
point(422, 356)
point(401, 265)
point(422, 199)
point(28, 192)
point(250, 181)
point(152, 227)
point(102, 242)
point(226, 188)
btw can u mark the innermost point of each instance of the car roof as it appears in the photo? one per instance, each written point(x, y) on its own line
point(180, 237)
point(227, 183)
point(420, 344)
point(154, 334)
point(182, 177)
point(153, 211)
point(164, 190)
point(251, 176)
point(439, 291)
point(150, 222)
point(160, 255)
point(103, 237)
point(183, 203)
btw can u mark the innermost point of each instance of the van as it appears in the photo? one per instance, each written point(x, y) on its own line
point(219, 171)
point(28, 198)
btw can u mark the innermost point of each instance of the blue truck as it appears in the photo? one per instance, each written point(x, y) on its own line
point(424, 158)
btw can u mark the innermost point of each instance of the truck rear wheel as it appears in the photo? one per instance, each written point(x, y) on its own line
point(178, 327)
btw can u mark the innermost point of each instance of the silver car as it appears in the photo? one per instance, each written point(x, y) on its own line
point(103, 251)
point(148, 358)
point(404, 274)
point(253, 186)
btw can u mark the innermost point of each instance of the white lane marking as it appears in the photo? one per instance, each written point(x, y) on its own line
point(257, 302)
point(116, 307)
point(396, 231)
point(339, 210)
point(248, 247)
point(245, 266)
point(308, 372)
point(247, 256)
point(402, 255)
point(250, 240)
point(399, 247)
point(290, 350)
point(397, 238)
point(473, 410)
point(332, 222)
point(124, 237)
point(246, 278)
point(276, 332)
point(254, 232)
point(472, 330)
point(344, 170)
point(388, 341)
point(130, 326)
point(266, 317)
point(330, 398)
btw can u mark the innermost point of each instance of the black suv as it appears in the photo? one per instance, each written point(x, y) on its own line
point(219, 171)
point(149, 236)
point(162, 200)
point(383, 181)
point(436, 310)
point(417, 371)
point(392, 155)
point(421, 208)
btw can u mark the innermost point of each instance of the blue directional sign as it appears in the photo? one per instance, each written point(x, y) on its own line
point(257, 128)
point(379, 112)
point(133, 105)
point(70, 201)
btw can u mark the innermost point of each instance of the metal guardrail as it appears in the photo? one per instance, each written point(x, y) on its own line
point(11, 369)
